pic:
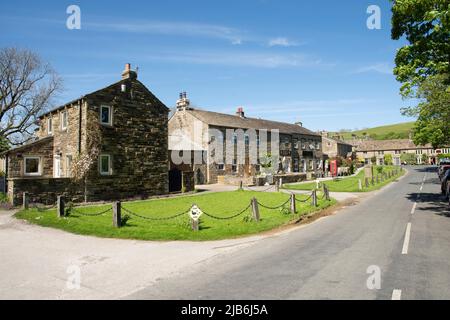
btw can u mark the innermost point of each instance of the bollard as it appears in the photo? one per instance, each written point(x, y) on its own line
point(25, 201)
point(359, 184)
point(195, 224)
point(255, 210)
point(117, 214)
point(293, 204)
point(60, 206)
point(240, 185)
point(277, 186)
point(314, 199)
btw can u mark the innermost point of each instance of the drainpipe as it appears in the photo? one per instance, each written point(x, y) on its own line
point(80, 113)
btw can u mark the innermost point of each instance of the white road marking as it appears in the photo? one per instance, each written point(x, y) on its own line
point(414, 208)
point(407, 236)
point(421, 187)
point(396, 294)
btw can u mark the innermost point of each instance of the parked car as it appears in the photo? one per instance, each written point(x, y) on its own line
point(443, 167)
point(445, 183)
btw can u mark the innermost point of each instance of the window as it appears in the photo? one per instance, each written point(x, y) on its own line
point(64, 120)
point(105, 165)
point(68, 165)
point(419, 151)
point(106, 115)
point(234, 166)
point(397, 151)
point(32, 166)
point(220, 166)
point(235, 138)
point(247, 139)
point(49, 125)
point(380, 152)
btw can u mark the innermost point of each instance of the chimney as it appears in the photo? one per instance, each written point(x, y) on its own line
point(183, 102)
point(240, 112)
point(299, 123)
point(128, 73)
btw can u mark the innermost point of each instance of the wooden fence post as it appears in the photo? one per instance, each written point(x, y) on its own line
point(60, 206)
point(367, 182)
point(117, 214)
point(25, 201)
point(359, 184)
point(255, 210)
point(240, 185)
point(293, 204)
point(314, 198)
point(327, 192)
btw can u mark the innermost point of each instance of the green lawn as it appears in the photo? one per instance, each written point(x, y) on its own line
point(347, 184)
point(223, 204)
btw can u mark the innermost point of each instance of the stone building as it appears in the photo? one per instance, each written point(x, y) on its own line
point(194, 132)
point(367, 149)
point(335, 147)
point(124, 121)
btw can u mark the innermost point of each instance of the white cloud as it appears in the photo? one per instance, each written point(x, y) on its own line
point(282, 42)
point(383, 68)
point(173, 28)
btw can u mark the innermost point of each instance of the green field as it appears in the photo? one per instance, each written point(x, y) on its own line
point(347, 184)
point(394, 131)
point(221, 205)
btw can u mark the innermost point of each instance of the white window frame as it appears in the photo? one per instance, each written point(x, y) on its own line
point(220, 166)
point(32, 174)
point(64, 125)
point(50, 125)
point(104, 173)
point(110, 118)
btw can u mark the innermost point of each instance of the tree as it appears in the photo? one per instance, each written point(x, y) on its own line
point(388, 159)
point(433, 112)
point(408, 158)
point(426, 26)
point(27, 87)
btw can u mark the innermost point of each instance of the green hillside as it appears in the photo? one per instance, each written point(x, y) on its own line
point(394, 131)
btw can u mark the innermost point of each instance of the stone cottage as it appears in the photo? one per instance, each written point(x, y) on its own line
point(190, 132)
point(128, 126)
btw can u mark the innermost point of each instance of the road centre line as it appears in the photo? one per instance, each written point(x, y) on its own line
point(407, 237)
point(396, 294)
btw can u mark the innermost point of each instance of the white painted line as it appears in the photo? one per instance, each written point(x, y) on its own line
point(414, 208)
point(396, 294)
point(421, 187)
point(407, 236)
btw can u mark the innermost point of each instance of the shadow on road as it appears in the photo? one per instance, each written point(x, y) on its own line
point(434, 202)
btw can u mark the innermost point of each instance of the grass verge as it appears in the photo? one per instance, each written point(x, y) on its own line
point(222, 205)
point(349, 184)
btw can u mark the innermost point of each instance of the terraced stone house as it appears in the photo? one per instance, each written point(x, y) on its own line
point(132, 125)
point(299, 149)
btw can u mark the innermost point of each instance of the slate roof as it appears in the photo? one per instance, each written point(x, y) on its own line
point(28, 144)
point(96, 91)
point(395, 144)
point(234, 121)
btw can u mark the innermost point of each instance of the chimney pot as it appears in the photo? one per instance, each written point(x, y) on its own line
point(240, 112)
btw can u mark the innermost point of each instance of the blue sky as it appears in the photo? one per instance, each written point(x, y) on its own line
point(309, 61)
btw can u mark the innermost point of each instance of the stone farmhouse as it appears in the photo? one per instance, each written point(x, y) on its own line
point(367, 149)
point(335, 147)
point(132, 133)
point(299, 149)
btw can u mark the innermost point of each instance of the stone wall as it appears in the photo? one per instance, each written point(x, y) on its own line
point(42, 149)
point(137, 142)
point(44, 190)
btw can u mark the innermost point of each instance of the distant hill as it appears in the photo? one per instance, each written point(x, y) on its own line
point(393, 131)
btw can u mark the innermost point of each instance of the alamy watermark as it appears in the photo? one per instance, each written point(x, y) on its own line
point(373, 282)
point(374, 20)
point(74, 19)
point(74, 277)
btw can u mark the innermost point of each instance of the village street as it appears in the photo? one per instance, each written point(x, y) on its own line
point(327, 259)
